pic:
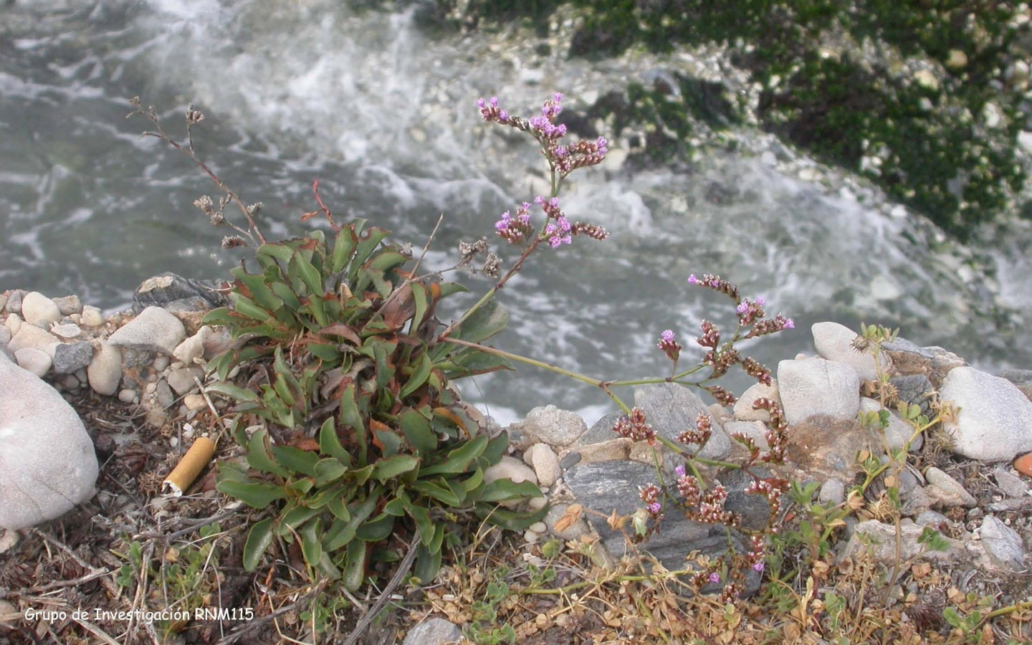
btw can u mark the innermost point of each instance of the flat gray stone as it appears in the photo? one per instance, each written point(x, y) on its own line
point(995, 419)
point(880, 541)
point(154, 330)
point(182, 380)
point(70, 357)
point(47, 460)
point(753, 509)
point(671, 409)
point(14, 301)
point(933, 362)
point(601, 430)
point(954, 489)
point(835, 343)
point(915, 389)
point(433, 631)
point(1009, 483)
point(1002, 544)
point(169, 288)
point(817, 386)
point(555, 513)
point(68, 305)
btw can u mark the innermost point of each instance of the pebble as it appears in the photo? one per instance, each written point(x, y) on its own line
point(72, 357)
point(897, 433)
point(193, 347)
point(182, 380)
point(1010, 484)
point(14, 301)
point(1002, 544)
point(196, 402)
point(538, 527)
point(435, 631)
point(68, 305)
point(508, 468)
point(36, 361)
point(160, 363)
point(69, 382)
point(66, 331)
point(933, 519)
point(744, 410)
point(950, 486)
point(105, 370)
point(832, 492)
point(552, 426)
point(91, 317)
point(127, 396)
point(13, 324)
point(39, 310)
point(32, 336)
point(544, 462)
point(835, 343)
point(1023, 464)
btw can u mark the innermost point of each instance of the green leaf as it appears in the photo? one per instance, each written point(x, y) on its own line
point(276, 251)
point(354, 572)
point(256, 495)
point(283, 390)
point(259, 457)
point(351, 416)
point(339, 507)
point(417, 431)
point(424, 524)
point(496, 448)
point(328, 470)
point(391, 441)
point(260, 292)
point(311, 546)
point(359, 512)
point(218, 316)
point(501, 490)
point(324, 352)
point(295, 517)
point(387, 260)
point(329, 443)
point(232, 391)
point(448, 288)
point(436, 491)
point(343, 248)
point(428, 564)
point(376, 529)
point(419, 295)
point(258, 540)
point(485, 322)
point(247, 307)
point(474, 480)
point(296, 460)
point(507, 519)
point(365, 248)
point(458, 460)
point(418, 376)
point(303, 268)
point(382, 351)
point(473, 362)
point(393, 466)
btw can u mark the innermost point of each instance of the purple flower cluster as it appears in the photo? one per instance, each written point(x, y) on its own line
point(557, 231)
point(700, 434)
point(491, 112)
point(650, 496)
point(515, 229)
point(669, 345)
point(635, 427)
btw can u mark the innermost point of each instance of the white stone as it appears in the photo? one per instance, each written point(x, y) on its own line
point(13, 324)
point(508, 468)
point(47, 461)
point(160, 363)
point(91, 316)
point(32, 336)
point(994, 422)
point(544, 462)
point(898, 431)
point(194, 402)
point(744, 410)
point(755, 430)
point(956, 59)
point(36, 361)
point(817, 386)
point(835, 343)
point(1025, 141)
point(127, 396)
point(926, 78)
point(880, 541)
point(553, 426)
point(39, 310)
point(193, 347)
point(435, 631)
point(105, 370)
point(154, 329)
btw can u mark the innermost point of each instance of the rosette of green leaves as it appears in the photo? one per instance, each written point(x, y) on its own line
point(347, 376)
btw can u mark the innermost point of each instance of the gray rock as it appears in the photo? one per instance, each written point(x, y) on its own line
point(835, 343)
point(744, 410)
point(36, 361)
point(753, 509)
point(1021, 378)
point(5, 336)
point(164, 394)
point(552, 426)
point(995, 418)
point(47, 461)
point(39, 310)
point(154, 329)
point(168, 288)
point(601, 430)
point(69, 357)
point(66, 332)
point(1009, 483)
point(933, 519)
point(105, 370)
point(433, 631)
point(68, 305)
point(951, 487)
point(673, 408)
point(14, 301)
point(1002, 544)
point(915, 389)
point(612, 450)
point(897, 433)
point(571, 459)
point(833, 491)
point(933, 362)
point(880, 540)
point(817, 386)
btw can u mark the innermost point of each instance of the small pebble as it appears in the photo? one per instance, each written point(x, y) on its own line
point(151, 387)
point(531, 537)
point(538, 527)
point(173, 441)
point(1023, 464)
point(160, 363)
point(91, 316)
point(127, 396)
point(537, 503)
point(70, 382)
point(66, 331)
point(194, 402)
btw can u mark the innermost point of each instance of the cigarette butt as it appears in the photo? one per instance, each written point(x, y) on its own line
point(191, 465)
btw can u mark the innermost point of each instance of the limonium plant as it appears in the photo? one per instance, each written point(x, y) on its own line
point(689, 493)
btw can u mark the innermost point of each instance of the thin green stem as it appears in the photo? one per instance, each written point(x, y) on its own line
point(527, 361)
